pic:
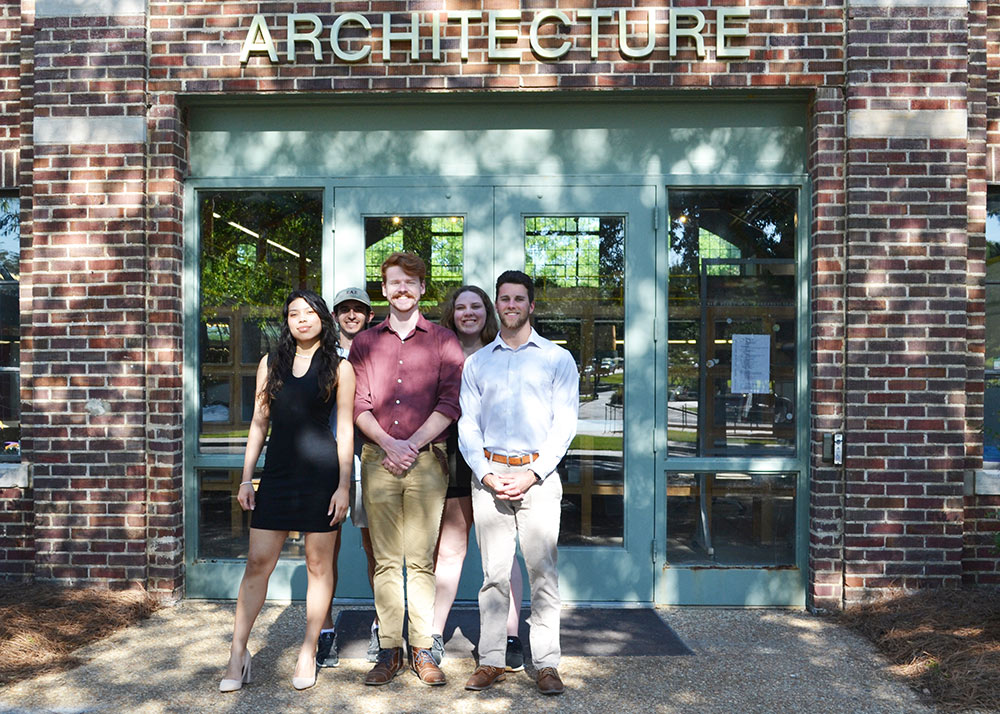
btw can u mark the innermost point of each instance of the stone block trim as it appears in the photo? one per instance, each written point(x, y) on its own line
point(89, 8)
point(90, 130)
point(922, 124)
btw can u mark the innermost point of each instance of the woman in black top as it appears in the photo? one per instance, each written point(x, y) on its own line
point(301, 488)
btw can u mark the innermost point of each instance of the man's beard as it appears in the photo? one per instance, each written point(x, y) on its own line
point(519, 321)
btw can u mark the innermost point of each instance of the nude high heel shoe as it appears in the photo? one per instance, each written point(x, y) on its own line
point(234, 685)
point(305, 682)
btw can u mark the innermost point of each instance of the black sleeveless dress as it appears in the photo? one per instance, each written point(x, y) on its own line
point(301, 469)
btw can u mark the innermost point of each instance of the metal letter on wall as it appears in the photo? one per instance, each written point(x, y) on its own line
point(464, 16)
point(312, 36)
point(595, 18)
point(495, 36)
point(413, 35)
point(650, 35)
point(335, 37)
point(540, 18)
point(258, 40)
point(723, 31)
point(694, 31)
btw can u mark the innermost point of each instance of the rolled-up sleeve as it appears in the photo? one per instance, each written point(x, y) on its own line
point(470, 430)
point(565, 412)
point(450, 380)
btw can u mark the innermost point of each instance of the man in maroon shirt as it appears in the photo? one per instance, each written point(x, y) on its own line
point(409, 372)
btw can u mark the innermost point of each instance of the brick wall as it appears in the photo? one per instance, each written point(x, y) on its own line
point(906, 302)
point(16, 504)
point(88, 415)
point(826, 511)
point(897, 314)
point(796, 45)
point(981, 558)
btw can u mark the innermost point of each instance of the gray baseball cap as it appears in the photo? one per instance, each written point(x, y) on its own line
point(356, 294)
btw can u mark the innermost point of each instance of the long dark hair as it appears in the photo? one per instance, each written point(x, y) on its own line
point(490, 328)
point(280, 363)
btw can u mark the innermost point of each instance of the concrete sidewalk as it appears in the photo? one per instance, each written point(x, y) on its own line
point(745, 661)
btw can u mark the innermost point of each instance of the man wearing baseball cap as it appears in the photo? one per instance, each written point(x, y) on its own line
point(352, 309)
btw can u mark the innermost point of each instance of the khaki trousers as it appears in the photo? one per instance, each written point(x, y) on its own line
point(404, 517)
point(535, 520)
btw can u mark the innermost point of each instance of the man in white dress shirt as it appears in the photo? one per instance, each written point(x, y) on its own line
point(520, 399)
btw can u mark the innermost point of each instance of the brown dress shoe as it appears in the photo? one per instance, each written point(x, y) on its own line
point(389, 662)
point(484, 677)
point(549, 682)
point(423, 665)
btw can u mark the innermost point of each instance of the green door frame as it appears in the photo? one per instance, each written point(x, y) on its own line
point(219, 578)
point(626, 572)
point(646, 518)
point(738, 586)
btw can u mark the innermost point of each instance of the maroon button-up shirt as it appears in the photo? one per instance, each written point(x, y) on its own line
point(403, 381)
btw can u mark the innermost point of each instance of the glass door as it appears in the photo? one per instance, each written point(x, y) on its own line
point(734, 419)
point(579, 243)
point(452, 230)
point(253, 247)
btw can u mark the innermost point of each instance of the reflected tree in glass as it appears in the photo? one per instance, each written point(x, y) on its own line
point(578, 265)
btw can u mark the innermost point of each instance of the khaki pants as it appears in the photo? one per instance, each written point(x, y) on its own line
point(535, 520)
point(404, 517)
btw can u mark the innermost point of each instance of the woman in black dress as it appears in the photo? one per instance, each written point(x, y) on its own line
point(298, 386)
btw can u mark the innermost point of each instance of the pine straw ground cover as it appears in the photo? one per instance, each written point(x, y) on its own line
point(943, 642)
point(41, 625)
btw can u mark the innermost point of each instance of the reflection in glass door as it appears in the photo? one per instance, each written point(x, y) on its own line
point(439, 240)
point(578, 246)
point(734, 388)
point(256, 247)
point(578, 264)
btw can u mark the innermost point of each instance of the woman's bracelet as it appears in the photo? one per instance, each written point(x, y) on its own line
point(246, 483)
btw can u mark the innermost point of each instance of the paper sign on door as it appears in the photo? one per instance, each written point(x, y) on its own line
point(751, 372)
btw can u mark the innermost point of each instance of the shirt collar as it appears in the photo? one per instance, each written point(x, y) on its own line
point(422, 324)
point(534, 339)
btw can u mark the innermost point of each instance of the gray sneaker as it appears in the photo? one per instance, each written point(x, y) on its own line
point(437, 648)
point(515, 654)
point(326, 650)
point(373, 647)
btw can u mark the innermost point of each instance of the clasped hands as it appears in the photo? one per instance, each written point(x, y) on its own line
point(511, 486)
point(399, 455)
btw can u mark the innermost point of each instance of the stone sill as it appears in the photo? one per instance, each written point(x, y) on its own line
point(15, 475)
point(983, 482)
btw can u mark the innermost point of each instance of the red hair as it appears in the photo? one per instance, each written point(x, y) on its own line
point(410, 263)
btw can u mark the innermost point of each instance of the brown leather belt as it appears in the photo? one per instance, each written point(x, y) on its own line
point(511, 460)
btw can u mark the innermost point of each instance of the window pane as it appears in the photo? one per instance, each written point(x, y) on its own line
point(439, 240)
point(578, 264)
point(991, 398)
point(256, 247)
point(731, 519)
point(223, 526)
point(731, 331)
point(10, 326)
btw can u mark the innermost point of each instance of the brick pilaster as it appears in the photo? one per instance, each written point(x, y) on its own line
point(906, 282)
point(89, 318)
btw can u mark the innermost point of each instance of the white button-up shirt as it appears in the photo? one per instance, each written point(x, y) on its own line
point(518, 401)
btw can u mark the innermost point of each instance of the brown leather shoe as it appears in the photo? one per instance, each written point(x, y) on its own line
point(423, 665)
point(389, 662)
point(549, 682)
point(484, 677)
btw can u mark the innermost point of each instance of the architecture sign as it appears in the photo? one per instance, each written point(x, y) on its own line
point(636, 32)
